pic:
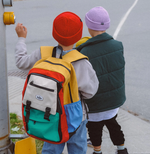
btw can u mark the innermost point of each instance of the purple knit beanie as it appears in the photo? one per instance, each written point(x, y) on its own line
point(97, 19)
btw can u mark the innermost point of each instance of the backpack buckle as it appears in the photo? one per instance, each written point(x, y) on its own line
point(47, 113)
point(27, 111)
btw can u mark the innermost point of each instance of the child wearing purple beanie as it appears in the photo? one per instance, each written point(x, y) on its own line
point(107, 59)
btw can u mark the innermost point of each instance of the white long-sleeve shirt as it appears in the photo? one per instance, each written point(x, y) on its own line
point(85, 74)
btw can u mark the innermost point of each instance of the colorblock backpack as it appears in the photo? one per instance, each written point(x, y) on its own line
point(51, 108)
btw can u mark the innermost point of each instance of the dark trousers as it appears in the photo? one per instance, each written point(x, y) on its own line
point(95, 131)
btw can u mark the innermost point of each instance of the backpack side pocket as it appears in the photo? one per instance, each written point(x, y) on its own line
point(74, 115)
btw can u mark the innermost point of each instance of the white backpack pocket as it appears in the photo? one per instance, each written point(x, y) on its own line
point(42, 93)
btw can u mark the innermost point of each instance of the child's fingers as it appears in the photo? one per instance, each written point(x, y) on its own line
point(25, 29)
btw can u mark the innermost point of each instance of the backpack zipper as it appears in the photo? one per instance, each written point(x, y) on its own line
point(70, 93)
point(45, 77)
point(57, 64)
point(35, 85)
point(69, 72)
point(59, 84)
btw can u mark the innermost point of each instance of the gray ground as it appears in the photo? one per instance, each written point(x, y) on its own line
point(38, 15)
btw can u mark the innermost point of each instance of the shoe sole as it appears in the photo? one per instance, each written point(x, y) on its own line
point(90, 145)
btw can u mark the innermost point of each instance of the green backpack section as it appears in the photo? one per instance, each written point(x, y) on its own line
point(44, 125)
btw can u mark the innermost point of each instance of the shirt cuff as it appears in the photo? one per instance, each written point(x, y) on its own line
point(21, 39)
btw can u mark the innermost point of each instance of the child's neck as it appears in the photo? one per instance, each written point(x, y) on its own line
point(94, 33)
point(66, 48)
point(97, 33)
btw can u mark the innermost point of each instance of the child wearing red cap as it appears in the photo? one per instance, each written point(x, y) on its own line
point(67, 30)
point(107, 59)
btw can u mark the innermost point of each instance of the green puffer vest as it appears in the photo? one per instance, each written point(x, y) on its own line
point(106, 57)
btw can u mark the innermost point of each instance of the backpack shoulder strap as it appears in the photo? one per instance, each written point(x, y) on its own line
point(73, 56)
point(46, 51)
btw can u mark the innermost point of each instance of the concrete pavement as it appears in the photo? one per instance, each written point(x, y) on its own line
point(136, 130)
point(38, 16)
